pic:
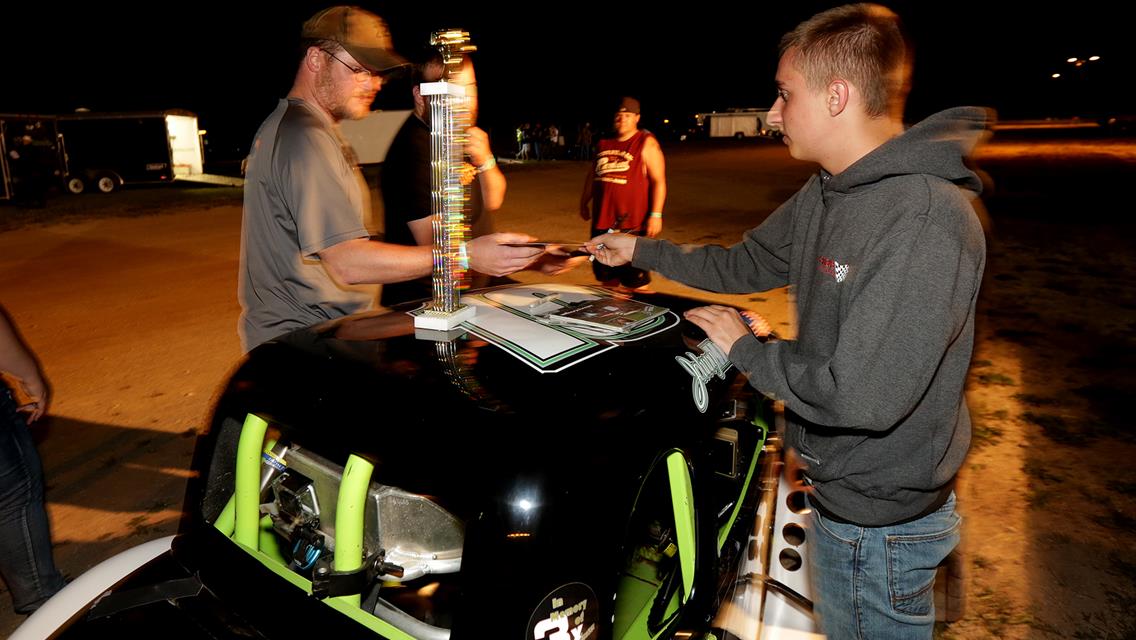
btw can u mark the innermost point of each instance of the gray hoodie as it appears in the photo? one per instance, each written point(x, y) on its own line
point(886, 259)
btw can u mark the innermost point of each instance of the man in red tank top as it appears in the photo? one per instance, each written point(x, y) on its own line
point(625, 190)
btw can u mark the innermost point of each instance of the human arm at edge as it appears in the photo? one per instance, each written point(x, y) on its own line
point(655, 164)
point(586, 195)
point(17, 359)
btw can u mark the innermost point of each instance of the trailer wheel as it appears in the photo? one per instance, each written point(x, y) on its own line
point(106, 183)
point(76, 185)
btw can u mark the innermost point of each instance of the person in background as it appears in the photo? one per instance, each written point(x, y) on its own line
point(553, 133)
point(584, 142)
point(625, 191)
point(406, 187)
point(522, 142)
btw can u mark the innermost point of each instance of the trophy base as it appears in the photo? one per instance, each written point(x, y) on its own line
point(425, 318)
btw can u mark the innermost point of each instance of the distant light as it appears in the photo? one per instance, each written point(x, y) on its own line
point(1080, 63)
point(525, 505)
point(666, 121)
point(1056, 75)
point(1094, 58)
point(1071, 60)
point(201, 132)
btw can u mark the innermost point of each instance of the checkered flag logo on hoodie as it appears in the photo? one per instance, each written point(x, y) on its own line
point(841, 272)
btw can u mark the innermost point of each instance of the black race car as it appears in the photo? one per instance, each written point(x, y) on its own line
point(518, 477)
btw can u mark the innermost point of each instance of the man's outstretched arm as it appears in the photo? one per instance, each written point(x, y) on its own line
point(364, 261)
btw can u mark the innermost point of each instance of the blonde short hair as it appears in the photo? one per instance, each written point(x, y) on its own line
point(861, 43)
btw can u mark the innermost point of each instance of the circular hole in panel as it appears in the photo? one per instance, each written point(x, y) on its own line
point(794, 534)
point(789, 559)
point(796, 502)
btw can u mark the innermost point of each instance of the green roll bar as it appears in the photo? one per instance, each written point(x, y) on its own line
point(241, 519)
point(246, 494)
point(350, 508)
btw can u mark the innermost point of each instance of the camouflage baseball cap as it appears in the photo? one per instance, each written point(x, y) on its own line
point(361, 33)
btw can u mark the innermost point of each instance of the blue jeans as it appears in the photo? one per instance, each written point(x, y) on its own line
point(25, 540)
point(876, 583)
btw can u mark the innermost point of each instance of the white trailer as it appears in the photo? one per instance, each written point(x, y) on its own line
point(88, 152)
point(108, 150)
point(740, 123)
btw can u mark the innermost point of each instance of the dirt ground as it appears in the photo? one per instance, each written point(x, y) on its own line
point(1048, 491)
point(129, 301)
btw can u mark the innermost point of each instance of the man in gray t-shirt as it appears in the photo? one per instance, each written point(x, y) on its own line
point(297, 158)
point(305, 255)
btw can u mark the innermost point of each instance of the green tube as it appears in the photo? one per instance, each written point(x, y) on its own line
point(247, 491)
point(349, 511)
point(226, 521)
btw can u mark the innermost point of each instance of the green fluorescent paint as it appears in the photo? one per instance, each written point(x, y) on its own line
point(269, 542)
point(247, 491)
point(637, 630)
point(682, 503)
point(226, 521)
point(383, 628)
point(349, 512)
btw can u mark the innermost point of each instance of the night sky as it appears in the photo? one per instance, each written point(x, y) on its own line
point(552, 62)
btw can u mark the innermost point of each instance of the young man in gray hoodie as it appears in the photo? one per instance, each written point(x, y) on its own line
point(885, 252)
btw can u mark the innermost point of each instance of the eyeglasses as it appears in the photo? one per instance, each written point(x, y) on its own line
point(361, 75)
